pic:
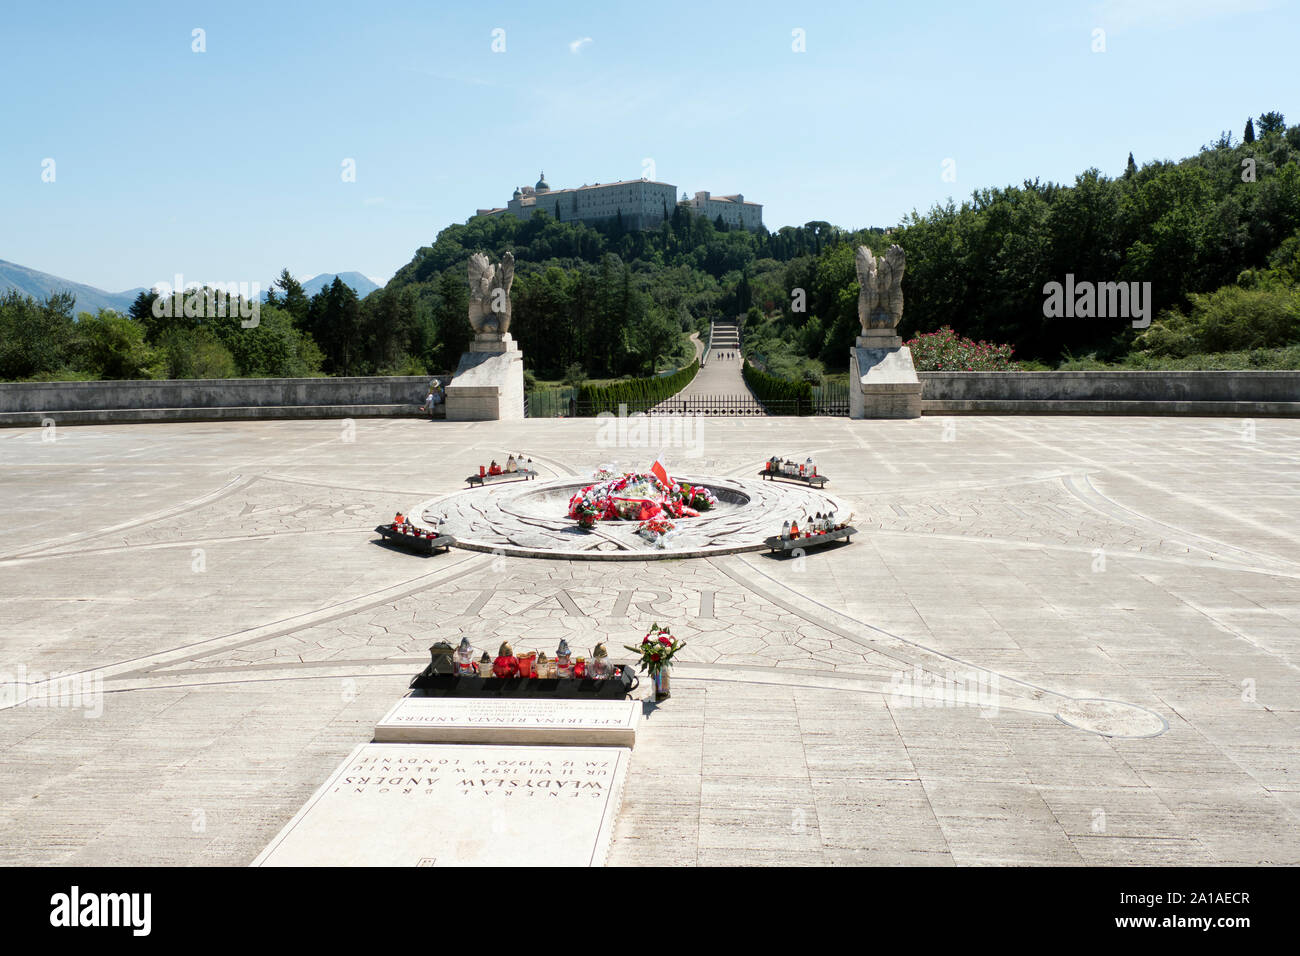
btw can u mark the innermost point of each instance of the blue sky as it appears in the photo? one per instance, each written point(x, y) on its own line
point(226, 165)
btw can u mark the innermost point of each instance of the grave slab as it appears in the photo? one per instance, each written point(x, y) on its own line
point(459, 805)
point(506, 720)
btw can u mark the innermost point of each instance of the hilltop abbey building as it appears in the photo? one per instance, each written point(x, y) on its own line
point(641, 203)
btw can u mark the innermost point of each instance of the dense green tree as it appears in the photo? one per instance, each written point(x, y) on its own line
point(142, 308)
point(35, 337)
point(451, 316)
point(274, 347)
point(1271, 122)
point(110, 345)
point(397, 337)
point(287, 293)
point(1230, 319)
point(196, 353)
point(334, 322)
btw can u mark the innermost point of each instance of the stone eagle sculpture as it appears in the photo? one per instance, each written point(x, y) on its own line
point(489, 293)
point(880, 301)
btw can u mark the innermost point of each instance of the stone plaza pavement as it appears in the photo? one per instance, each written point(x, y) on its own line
point(221, 585)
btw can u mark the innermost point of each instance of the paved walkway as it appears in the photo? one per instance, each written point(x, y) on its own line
point(699, 346)
point(718, 377)
point(220, 584)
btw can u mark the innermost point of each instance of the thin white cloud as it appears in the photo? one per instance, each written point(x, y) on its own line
point(577, 45)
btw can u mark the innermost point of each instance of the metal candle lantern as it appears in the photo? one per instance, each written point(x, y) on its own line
point(441, 658)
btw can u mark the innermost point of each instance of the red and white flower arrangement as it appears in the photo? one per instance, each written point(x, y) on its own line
point(698, 497)
point(637, 496)
point(656, 649)
point(657, 530)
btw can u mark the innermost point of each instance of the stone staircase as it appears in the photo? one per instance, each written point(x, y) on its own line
point(724, 336)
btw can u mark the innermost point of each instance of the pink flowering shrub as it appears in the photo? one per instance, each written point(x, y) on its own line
point(946, 351)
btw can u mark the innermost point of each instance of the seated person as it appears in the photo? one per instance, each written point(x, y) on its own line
point(495, 469)
point(398, 520)
point(434, 398)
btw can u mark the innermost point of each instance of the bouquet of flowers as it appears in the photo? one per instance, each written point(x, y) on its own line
point(676, 509)
point(656, 649)
point(590, 505)
point(636, 509)
point(698, 497)
point(635, 497)
point(658, 530)
point(586, 515)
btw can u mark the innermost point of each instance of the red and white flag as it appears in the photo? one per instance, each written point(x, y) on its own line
point(660, 472)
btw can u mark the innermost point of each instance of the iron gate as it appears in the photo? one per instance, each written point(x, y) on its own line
point(826, 400)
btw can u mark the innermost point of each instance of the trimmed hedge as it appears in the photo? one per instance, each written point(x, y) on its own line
point(639, 394)
point(786, 396)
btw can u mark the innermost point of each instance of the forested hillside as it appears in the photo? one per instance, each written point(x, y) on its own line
point(1228, 216)
point(1217, 235)
point(614, 302)
point(1189, 227)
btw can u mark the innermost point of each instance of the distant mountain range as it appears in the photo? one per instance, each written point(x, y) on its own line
point(362, 285)
point(40, 285)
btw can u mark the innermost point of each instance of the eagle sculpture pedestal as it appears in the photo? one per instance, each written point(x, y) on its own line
point(882, 378)
point(489, 381)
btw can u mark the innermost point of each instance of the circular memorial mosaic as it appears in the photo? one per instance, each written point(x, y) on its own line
point(529, 519)
point(1112, 718)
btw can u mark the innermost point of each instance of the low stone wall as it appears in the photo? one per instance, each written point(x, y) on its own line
point(1246, 393)
point(212, 399)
